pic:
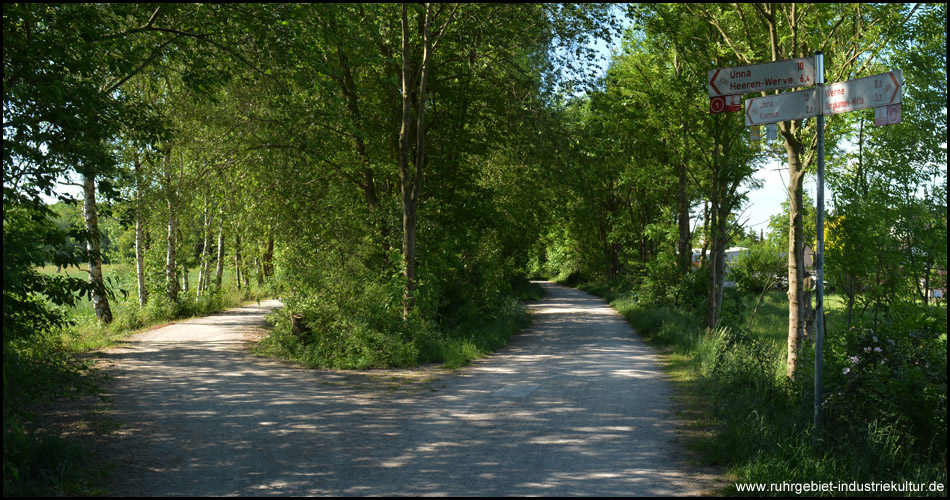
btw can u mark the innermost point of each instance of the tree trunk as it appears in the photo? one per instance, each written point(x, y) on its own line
point(219, 272)
point(259, 271)
point(184, 279)
point(269, 257)
point(237, 260)
point(171, 252)
point(205, 240)
point(712, 289)
point(722, 243)
point(685, 252)
point(349, 91)
point(410, 172)
point(796, 171)
point(140, 258)
point(93, 249)
point(139, 235)
point(796, 255)
point(171, 261)
point(703, 255)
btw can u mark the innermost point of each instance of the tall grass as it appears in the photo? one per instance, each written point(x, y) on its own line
point(88, 333)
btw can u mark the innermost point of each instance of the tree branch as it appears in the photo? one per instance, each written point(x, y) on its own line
point(715, 23)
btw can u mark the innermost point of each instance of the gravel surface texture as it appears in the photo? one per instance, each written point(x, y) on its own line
point(575, 405)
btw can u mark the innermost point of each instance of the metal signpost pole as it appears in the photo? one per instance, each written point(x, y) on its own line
point(820, 250)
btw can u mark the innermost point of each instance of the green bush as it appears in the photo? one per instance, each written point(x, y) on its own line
point(665, 325)
point(757, 269)
point(37, 369)
point(892, 383)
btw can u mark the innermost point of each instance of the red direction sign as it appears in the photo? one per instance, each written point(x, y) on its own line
point(725, 104)
point(760, 77)
point(862, 93)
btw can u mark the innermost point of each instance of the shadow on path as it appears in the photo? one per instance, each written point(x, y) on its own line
point(575, 405)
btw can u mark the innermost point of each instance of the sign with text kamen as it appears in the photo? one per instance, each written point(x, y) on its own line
point(781, 107)
point(761, 77)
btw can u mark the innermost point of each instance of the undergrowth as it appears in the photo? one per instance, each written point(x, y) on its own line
point(325, 340)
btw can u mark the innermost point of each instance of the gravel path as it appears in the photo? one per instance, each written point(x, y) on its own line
point(575, 405)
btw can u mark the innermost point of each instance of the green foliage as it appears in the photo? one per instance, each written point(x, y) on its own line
point(33, 366)
point(757, 269)
point(31, 240)
point(360, 345)
point(894, 379)
point(37, 368)
point(42, 465)
point(665, 325)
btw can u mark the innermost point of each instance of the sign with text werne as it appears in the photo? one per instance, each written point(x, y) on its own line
point(862, 93)
point(761, 77)
point(781, 107)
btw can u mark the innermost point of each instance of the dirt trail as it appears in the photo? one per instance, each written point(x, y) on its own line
point(575, 405)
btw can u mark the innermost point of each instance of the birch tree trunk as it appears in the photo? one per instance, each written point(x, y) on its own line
point(219, 272)
point(93, 249)
point(237, 260)
point(171, 264)
point(139, 235)
point(184, 278)
point(205, 240)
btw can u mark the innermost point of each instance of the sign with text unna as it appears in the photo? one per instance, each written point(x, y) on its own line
point(761, 77)
point(781, 107)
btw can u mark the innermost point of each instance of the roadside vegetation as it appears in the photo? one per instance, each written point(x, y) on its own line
point(363, 342)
